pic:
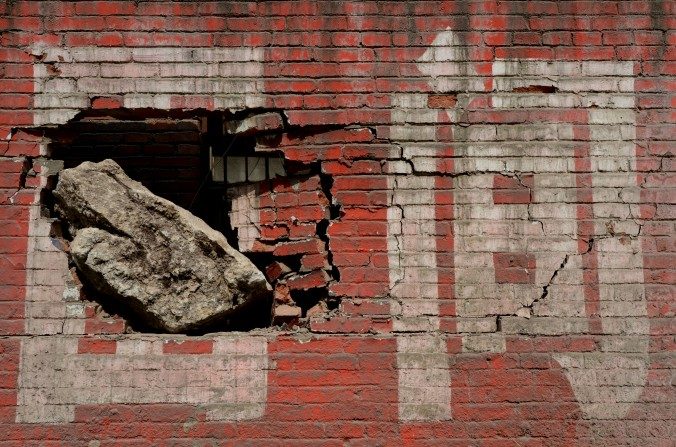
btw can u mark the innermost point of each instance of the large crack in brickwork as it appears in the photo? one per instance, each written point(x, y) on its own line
point(26, 167)
point(526, 310)
point(326, 182)
point(323, 224)
point(545, 289)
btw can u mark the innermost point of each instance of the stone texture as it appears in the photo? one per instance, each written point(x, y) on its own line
point(166, 265)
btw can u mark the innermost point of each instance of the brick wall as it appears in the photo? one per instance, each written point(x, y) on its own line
point(484, 188)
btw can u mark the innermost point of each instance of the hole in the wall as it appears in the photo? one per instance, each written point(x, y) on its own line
point(293, 262)
point(307, 299)
point(327, 185)
point(165, 155)
point(294, 177)
point(173, 157)
point(322, 232)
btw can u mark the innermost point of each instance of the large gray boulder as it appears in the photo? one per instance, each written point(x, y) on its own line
point(166, 265)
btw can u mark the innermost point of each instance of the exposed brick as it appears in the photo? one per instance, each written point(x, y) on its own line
point(490, 239)
point(313, 280)
point(442, 101)
point(286, 314)
point(299, 247)
point(514, 268)
point(96, 346)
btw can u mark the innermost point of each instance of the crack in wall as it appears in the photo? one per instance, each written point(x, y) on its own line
point(26, 169)
point(326, 183)
point(397, 237)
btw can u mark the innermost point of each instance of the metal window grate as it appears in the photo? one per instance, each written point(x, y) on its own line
point(234, 169)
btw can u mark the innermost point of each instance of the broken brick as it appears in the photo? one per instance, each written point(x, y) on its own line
point(286, 314)
point(299, 247)
point(275, 270)
point(317, 310)
point(316, 279)
point(282, 294)
point(419, 134)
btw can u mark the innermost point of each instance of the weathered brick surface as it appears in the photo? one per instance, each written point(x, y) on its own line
point(487, 187)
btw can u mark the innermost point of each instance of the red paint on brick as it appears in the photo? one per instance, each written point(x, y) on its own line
point(96, 346)
point(313, 280)
point(514, 268)
point(518, 397)
point(299, 247)
point(107, 102)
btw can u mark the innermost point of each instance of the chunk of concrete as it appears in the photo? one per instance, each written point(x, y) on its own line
point(264, 122)
point(152, 256)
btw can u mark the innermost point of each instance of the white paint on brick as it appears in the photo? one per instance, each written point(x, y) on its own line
point(422, 360)
point(245, 215)
point(608, 382)
point(145, 77)
point(567, 291)
point(483, 343)
point(424, 379)
point(413, 116)
point(60, 101)
point(231, 383)
point(409, 132)
point(507, 228)
point(412, 251)
point(47, 279)
point(605, 382)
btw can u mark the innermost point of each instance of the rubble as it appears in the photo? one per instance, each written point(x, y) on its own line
point(146, 253)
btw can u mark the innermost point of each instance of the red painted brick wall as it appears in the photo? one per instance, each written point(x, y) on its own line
point(502, 250)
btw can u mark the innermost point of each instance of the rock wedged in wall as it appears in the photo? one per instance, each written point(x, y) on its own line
point(165, 264)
